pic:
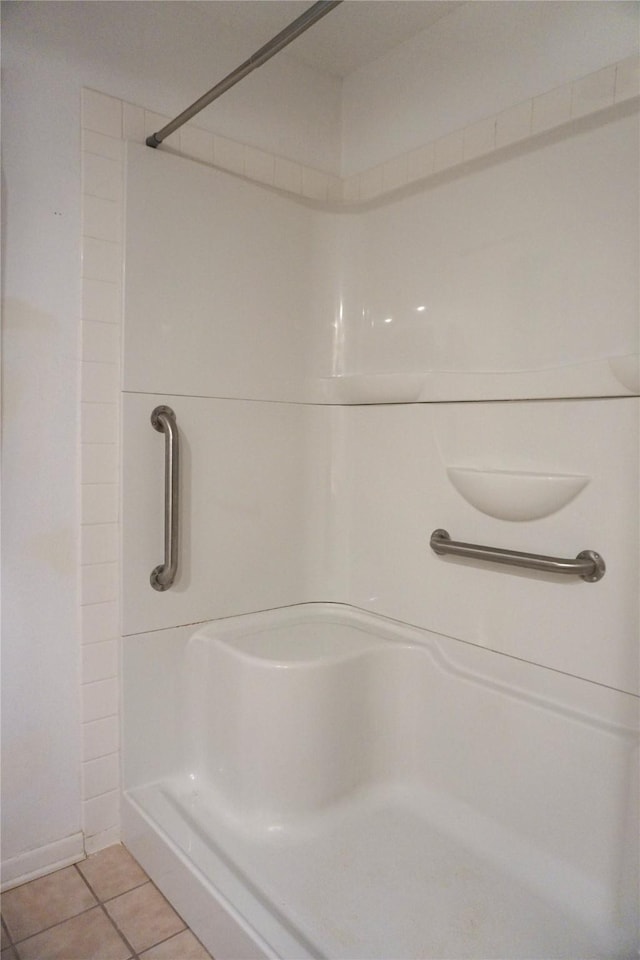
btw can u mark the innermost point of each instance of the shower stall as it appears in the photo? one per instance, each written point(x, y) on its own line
point(380, 463)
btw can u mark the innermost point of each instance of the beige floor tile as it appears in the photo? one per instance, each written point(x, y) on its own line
point(144, 917)
point(8, 954)
point(183, 947)
point(88, 937)
point(5, 938)
point(111, 872)
point(39, 904)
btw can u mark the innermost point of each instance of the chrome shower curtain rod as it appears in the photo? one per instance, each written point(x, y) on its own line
point(273, 46)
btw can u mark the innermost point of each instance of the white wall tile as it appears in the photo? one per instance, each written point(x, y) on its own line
point(334, 191)
point(287, 175)
point(99, 504)
point(514, 123)
point(102, 177)
point(100, 738)
point(101, 301)
point(479, 138)
point(447, 151)
point(100, 621)
point(101, 145)
point(100, 382)
point(101, 813)
point(627, 79)
point(101, 218)
point(133, 122)
point(197, 143)
point(100, 342)
point(259, 165)
point(99, 542)
point(351, 189)
point(101, 260)
point(99, 462)
point(99, 700)
point(315, 184)
point(551, 109)
point(394, 173)
point(420, 162)
point(99, 423)
point(594, 92)
point(98, 583)
point(370, 183)
point(101, 113)
point(228, 154)
point(99, 661)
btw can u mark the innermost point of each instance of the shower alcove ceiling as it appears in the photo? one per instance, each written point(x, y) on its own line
point(354, 363)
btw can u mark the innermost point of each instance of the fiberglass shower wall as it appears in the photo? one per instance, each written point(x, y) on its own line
point(290, 495)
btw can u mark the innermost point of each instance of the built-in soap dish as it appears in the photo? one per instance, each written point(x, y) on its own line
point(512, 495)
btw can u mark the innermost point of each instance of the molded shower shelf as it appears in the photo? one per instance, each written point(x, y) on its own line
point(372, 388)
point(585, 378)
point(511, 495)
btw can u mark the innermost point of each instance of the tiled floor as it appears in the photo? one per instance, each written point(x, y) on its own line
point(104, 908)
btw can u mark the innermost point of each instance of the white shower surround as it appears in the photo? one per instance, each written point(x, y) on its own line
point(101, 271)
point(106, 122)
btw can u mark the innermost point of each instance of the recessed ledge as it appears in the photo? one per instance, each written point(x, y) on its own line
point(604, 377)
point(372, 388)
point(608, 376)
point(513, 495)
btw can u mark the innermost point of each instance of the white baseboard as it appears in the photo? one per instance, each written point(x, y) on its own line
point(99, 841)
point(43, 860)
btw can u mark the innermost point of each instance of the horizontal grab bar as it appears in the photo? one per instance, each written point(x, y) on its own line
point(588, 564)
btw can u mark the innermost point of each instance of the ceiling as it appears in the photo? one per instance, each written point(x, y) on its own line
point(349, 36)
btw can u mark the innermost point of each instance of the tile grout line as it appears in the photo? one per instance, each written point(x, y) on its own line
point(15, 944)
point(99, 903)
point(110, 289)
point(133, 953)
point(8, 936)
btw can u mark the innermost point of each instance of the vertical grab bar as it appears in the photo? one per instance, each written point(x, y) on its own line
point(163, 419)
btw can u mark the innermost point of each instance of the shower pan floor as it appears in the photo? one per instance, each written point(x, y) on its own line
point(392, 873)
